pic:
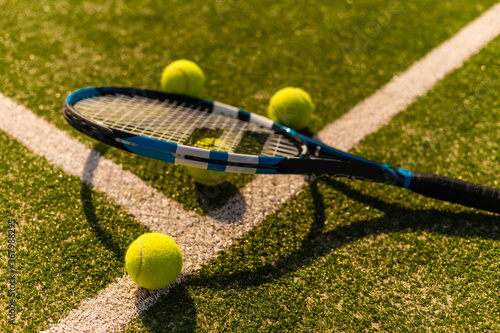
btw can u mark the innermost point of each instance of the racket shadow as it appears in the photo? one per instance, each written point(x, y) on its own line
point(105, 237)
point(319, 243)
point(89, 210)
point(316, 244)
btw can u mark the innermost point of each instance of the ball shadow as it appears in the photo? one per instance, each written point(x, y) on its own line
point(212, 198)
point(318, 243)
point(174, 312)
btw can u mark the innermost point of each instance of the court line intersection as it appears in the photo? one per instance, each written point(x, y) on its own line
point(201, 238)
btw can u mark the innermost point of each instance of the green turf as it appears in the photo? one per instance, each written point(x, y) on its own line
point(340, 52)
point(347, 256)
point(70, 240)
point(344, 255)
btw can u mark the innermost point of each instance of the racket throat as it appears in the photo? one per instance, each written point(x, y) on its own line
point(355, 170)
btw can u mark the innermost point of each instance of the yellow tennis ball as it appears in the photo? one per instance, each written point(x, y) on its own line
point(209, 177)
point(292, 107)
point(154, 261)
point(183, 77)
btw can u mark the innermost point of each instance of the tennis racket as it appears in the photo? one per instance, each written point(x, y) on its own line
point(169, 128)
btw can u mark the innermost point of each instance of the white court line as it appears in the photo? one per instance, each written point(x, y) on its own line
point(377, 110)
point(201, 238)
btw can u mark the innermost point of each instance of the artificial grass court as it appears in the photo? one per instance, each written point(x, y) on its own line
point(350, 256)
point(318, 47)
point(342, 256)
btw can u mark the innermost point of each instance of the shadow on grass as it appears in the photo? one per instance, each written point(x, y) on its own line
point(112, 239)
point(178, 185)
point(318, 243)
point(211, 198)
point(178, 312)
point(104, 236)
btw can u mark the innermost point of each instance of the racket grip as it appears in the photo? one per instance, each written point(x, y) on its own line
point(456, 191)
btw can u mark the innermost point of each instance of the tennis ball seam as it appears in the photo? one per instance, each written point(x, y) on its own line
point(277, 113)
point(186, 78)
point(142, 256)
point(301, 97)
point(292, 107)
point(154, 261)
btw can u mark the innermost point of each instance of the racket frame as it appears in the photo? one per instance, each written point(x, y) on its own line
point(327, 160)
point(313, 157)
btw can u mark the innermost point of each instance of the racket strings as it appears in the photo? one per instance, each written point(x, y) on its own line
point(184, 124)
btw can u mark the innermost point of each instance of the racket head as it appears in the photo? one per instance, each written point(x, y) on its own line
point(169, 127)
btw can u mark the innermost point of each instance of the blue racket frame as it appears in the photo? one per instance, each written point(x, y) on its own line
point(323, 159)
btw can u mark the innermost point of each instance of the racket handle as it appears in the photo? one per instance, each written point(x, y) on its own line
point(456, 191)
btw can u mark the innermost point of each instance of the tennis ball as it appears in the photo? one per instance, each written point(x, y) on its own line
point(209, 177)
point(153, 261)
point(183, 77)
point(292, 107)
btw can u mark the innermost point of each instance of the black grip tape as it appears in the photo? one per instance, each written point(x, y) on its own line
point(456, 191)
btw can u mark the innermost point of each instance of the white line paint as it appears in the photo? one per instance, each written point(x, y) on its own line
point(377, 110)
point(202, 238)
